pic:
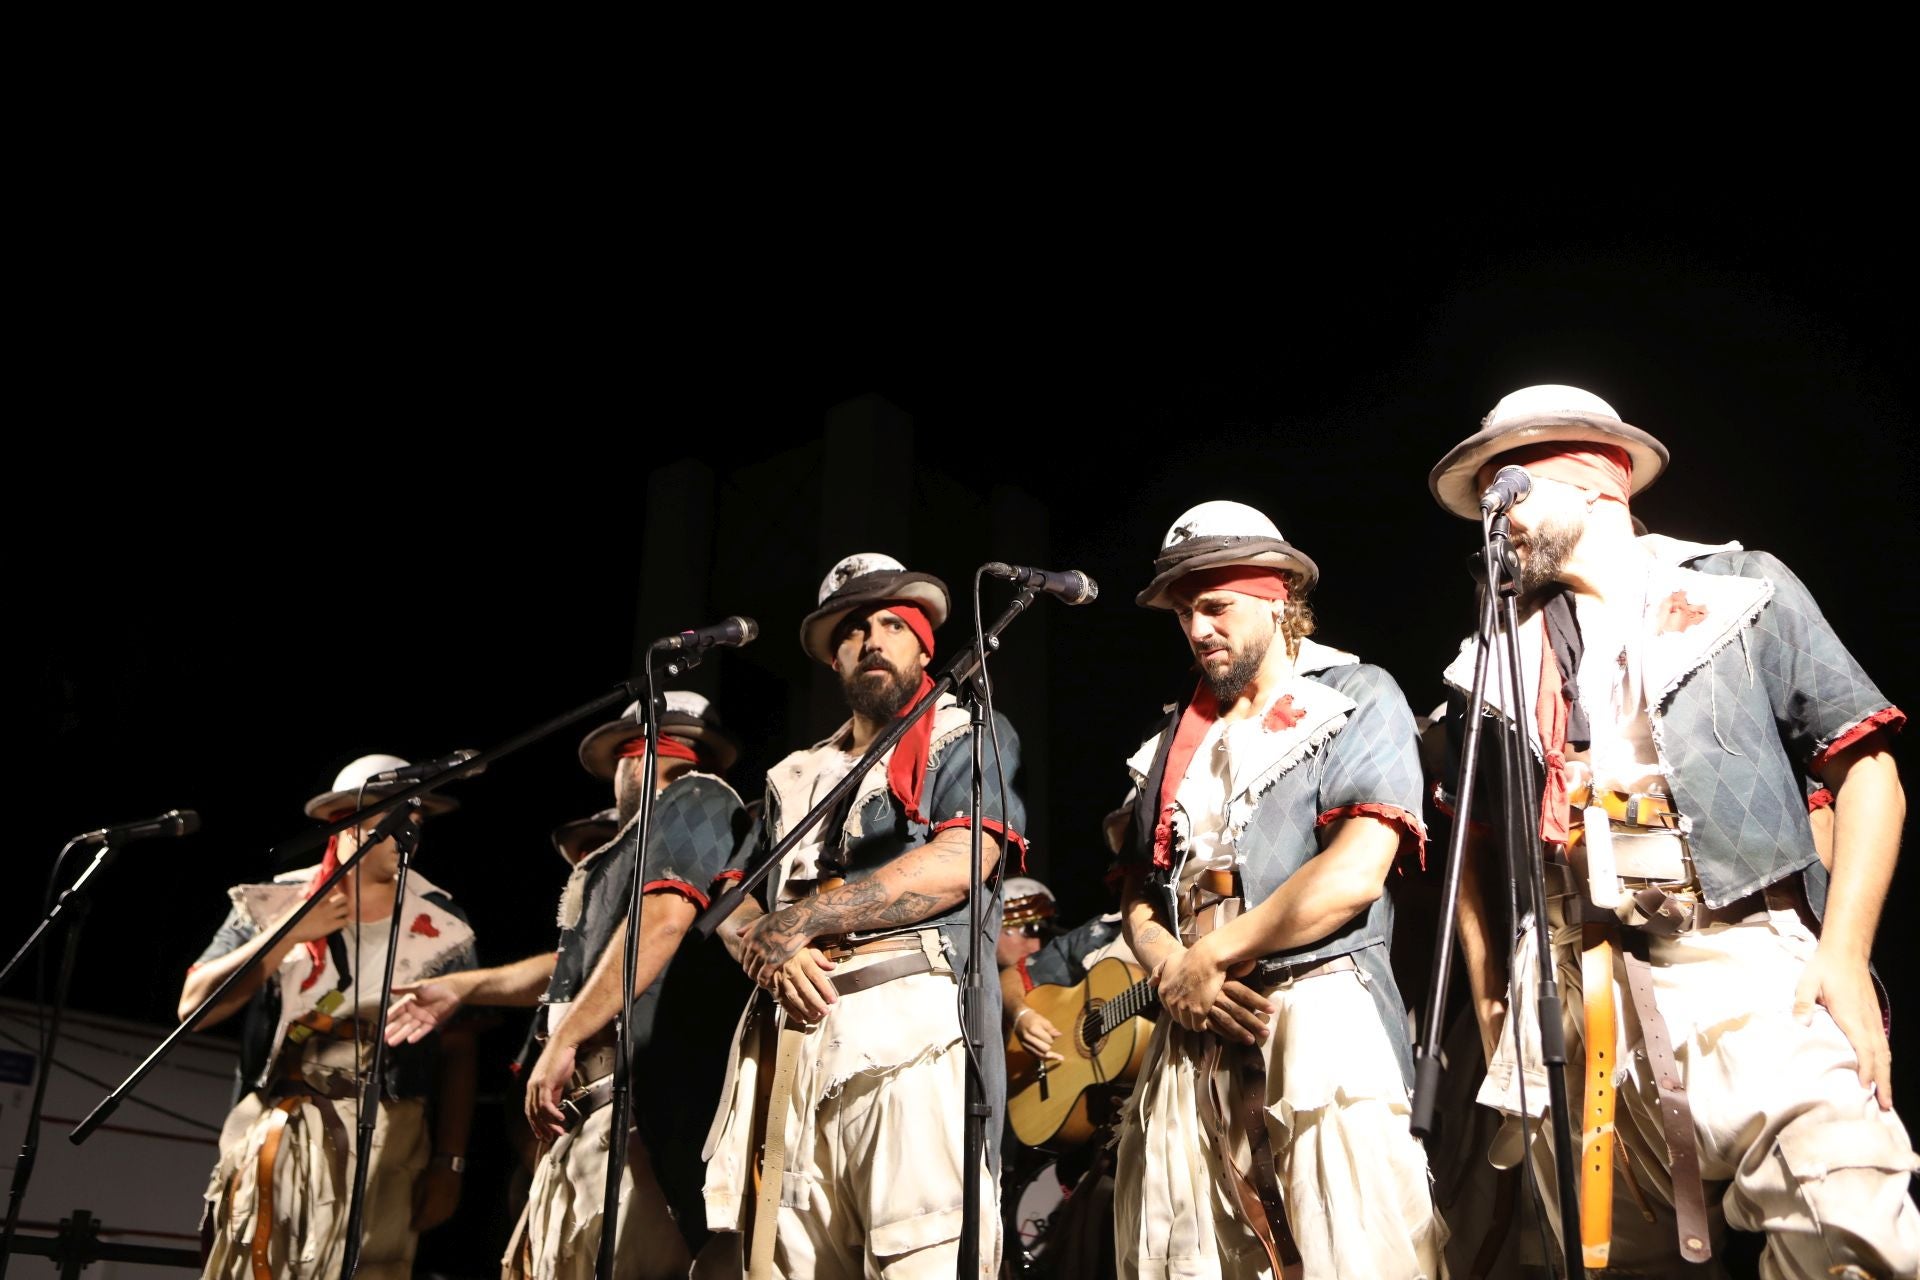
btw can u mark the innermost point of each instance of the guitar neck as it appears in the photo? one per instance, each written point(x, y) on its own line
point(1131, 1003)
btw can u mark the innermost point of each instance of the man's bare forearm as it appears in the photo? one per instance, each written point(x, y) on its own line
point(664, 920)
point(204, 979)
point(1334, 886)
point(520, 984)
point(920, 883)
point(1146, 925)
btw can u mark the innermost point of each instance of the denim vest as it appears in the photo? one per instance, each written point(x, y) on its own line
point(1351, 751)
point(877, 830)
point(1749, 692)
point(697, 821)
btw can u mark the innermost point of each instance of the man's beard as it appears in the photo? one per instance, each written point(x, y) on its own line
point(628, 801)
point(1548, 549)
point(1240, 671)
point(879, 700)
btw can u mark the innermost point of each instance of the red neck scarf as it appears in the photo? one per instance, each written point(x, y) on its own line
point(907, 768)
point(1199, 716)
point(1550, 713)
point(317, 949)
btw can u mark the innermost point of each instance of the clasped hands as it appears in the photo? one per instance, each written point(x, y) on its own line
point(1200, 991)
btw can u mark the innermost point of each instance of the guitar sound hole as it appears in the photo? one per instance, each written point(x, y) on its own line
point(1090, 1037)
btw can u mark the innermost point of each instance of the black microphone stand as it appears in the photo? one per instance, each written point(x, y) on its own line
point(405, 835)
point(621, 1105)
point(1500, 629)
point(73, 903)
point(964, 667)
point(305, 844)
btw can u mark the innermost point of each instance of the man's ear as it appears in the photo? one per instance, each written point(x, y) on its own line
point(925, 658)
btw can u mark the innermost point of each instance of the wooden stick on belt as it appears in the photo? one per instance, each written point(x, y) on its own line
point(1596, 1116)
point(1676, 1115)
point(773, 1159)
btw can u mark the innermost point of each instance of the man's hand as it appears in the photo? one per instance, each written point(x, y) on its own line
point(769, 943)
point(1036, 1034)
point(803, 987)
point(1841, 984)
point(547, 1084)
point(330, 916)
point(1198, 992)
point(436, 1194)
point(419, 1010)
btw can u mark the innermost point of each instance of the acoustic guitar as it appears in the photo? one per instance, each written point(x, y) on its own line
point(1104, 1025)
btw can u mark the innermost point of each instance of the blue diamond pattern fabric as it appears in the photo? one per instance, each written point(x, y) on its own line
point(1741, 734)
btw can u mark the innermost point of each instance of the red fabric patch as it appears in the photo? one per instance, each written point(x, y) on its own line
point(1026, 979)
point(680, 887)
point(1677, 613)
point(729, 877)
point(1892, 719)
point(1392, 815)
point(423, 924)
point(1821, 799)
point(1281, 715)
point(998, 828)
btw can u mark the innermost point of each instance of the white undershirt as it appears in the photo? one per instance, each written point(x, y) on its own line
point(1612, 690)
point(829, 765)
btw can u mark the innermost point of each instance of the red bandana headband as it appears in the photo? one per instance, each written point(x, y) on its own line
point(669, 749)
point(1587, 465)
point(1247, 579)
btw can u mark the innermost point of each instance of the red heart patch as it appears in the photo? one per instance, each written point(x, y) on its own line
point(423, 923)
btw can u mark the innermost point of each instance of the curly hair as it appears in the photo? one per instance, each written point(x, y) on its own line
point(1296, 618)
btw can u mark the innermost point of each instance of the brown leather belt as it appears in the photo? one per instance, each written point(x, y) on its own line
point(1676, 1114)
point(911, 960)
point(1629, 808)
point(583, 1100)
point(1256, 1191)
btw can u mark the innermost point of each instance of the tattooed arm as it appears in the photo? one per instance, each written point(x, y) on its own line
point(1145, 923)
point(775, 949)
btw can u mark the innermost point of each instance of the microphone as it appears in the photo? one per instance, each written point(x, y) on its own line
point(1070, 585)
point(1510, 485)
point(174, 822)
point(730, 634)
point(415, 772)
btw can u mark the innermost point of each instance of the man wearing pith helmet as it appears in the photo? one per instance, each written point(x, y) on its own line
point(858, 953)
point(1680, 696)
point(697, 822)
point(1268, 1132)
point(279, 1197)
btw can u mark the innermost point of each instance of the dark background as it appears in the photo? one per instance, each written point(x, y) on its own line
point(417, 486)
